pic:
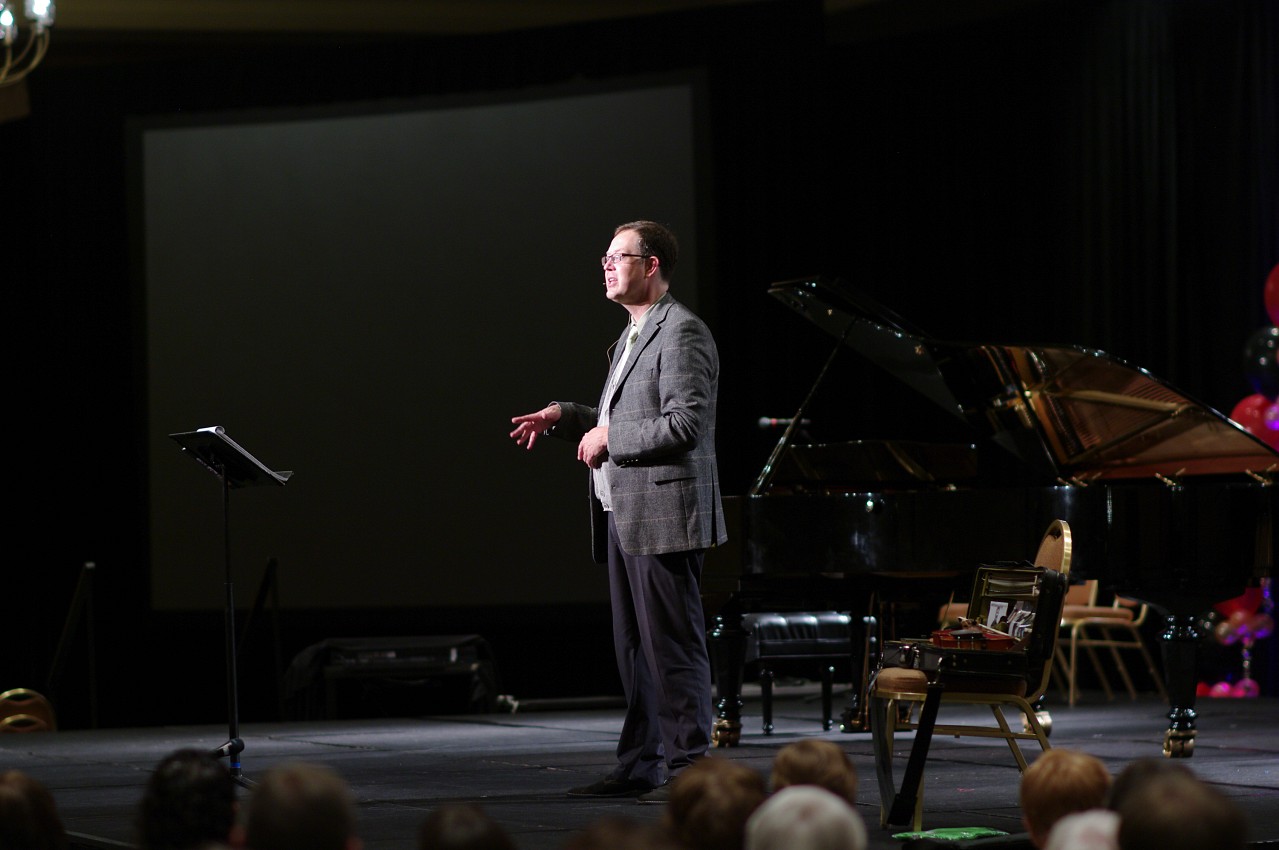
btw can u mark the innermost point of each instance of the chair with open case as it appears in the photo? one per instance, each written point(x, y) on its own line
point(1026, 601)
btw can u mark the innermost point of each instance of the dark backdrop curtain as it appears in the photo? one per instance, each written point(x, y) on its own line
point(1096, 173)
point(1178, 189)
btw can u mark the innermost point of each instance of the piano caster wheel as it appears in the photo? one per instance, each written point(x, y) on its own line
point(850, 721)
point(726, 733)
point(1179, 745)
point(1045, 719)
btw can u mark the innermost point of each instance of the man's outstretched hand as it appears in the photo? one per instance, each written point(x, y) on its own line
point(529, 426)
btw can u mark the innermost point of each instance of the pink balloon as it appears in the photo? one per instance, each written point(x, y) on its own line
point(1261, 626)
point(1270, 425)
point(1272, 295)
point(1246, 688)
point(1222, 689)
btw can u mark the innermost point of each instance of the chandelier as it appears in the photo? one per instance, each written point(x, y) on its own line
point(24, 42)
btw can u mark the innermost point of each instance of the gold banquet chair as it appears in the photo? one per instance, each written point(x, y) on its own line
point(1026, 675)
point(1090, 626)
point(24, 710)
point(1053, 548)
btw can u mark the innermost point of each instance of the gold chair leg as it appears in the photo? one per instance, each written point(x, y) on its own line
point(1061, 671)
point(883, 713)
point(1119, 663)
point(1074, 666)
point(1150, 668)
point(1101, 671)
point(917, 822)
point(1009, 736)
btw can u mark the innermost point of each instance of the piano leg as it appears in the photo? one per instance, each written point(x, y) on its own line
point(865, 660)
point(1180, 638)
point(727, 641)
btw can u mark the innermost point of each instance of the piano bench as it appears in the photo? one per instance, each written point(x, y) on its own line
point(812, 642)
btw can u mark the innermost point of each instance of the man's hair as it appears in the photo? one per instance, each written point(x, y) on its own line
point(461, 826)
point(656, 240)
point(1058, 783)
point(189, 800)
point(300, 805)
point(28, 816)
point(816, 761)
point(1171, 810)
point(710, 802)
point(805, 817)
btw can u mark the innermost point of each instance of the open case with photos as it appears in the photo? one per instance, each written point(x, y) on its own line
point(995, 638)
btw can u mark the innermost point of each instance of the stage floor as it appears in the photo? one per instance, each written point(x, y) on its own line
point(518, 765)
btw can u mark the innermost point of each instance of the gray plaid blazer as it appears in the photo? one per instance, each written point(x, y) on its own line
point(661, 439)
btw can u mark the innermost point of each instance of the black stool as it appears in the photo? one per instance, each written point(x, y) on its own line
point(809, 640)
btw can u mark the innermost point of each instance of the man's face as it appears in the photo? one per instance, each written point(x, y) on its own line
point(626, 280)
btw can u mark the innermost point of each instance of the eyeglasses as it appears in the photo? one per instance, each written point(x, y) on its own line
point(614, 259)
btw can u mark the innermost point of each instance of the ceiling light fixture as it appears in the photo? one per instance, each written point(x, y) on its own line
point(24, 42)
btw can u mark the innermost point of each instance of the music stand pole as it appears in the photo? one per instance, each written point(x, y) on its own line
point(234, 745)
point(234, 467)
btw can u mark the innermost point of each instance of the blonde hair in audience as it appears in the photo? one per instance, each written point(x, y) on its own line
point(1058, 783)
point(710, 802)
point(816, 761)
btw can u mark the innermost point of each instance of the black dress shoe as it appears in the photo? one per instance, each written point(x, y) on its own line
point(660, 794)
point(612, 788)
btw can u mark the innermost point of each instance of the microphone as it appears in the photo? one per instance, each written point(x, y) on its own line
point(766, 423)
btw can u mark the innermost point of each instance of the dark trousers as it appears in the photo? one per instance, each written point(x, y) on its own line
point(660, 639)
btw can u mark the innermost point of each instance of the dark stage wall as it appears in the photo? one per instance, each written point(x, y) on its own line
point(366, 296)
point(1097, 173)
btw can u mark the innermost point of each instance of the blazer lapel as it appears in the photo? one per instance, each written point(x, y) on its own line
point(651, 326)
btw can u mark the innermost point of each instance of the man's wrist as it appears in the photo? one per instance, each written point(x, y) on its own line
point(551, 415)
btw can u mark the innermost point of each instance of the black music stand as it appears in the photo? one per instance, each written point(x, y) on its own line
point(235, 468)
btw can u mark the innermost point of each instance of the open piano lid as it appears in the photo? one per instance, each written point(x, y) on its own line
point(1061, 412)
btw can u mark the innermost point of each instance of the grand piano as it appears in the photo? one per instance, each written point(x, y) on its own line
point(1169, 501)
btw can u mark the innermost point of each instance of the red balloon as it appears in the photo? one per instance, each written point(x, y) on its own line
point(1245, 603)
point(1272, 295)
point(1250, 413)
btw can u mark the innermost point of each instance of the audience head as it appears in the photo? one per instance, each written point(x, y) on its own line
point(189, 801)
point(615, 832)
point(805, 817)
point(1174, 810)
point(300, 805)
point(816, 761)
point(1058, 783)
point(458, 826)
point(28, 816)
point(710, 802)
point(1137, 773)
point(1095, 829)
